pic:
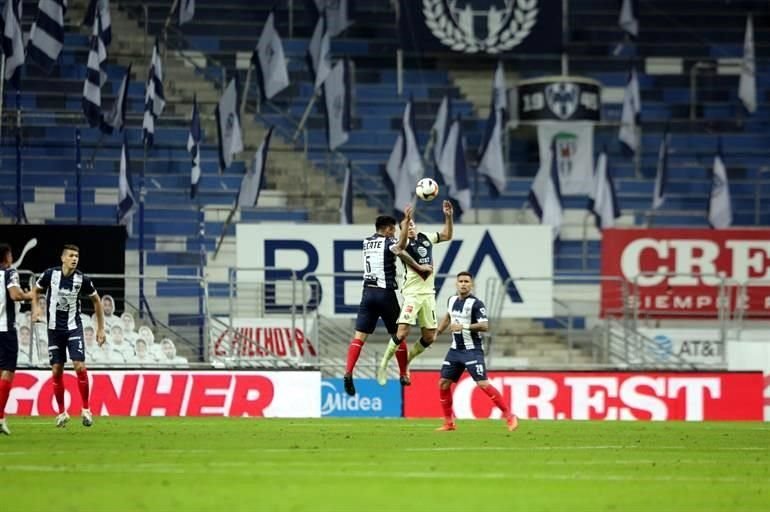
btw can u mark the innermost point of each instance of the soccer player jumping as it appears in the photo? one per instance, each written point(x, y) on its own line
point(64, 286)
point(466, 318)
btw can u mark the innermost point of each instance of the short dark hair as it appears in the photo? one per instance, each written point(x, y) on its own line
point(465, 273)
point(70, 247)
point(384, 221)
point(4, 250)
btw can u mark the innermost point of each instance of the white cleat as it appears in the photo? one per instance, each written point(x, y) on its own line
point(62, 419)
point(88, 418)
point(382, 375)
point(4, 428)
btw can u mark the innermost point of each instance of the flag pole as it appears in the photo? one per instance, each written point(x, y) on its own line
point(201, 288)
point(20, 214)
point(305, 115)
point(245, 92)
point(141, 233)
point(78, 170)
point(99, 144)
point(2, 93)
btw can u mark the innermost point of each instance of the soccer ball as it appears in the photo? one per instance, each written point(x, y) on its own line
point(427, 189)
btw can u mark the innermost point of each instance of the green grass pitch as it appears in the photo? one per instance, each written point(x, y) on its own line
point(179, 464)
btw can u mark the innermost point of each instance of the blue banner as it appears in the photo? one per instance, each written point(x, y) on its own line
point(371, 399)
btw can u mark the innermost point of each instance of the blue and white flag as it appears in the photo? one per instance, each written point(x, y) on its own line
point(440, 129)
point(96, 76)
point(453, 161)
point(661, 176)
point(346, 200)
point(603, 202)
point(254, 179)
point(102, 7)
point(632, 106)
point(720, 207)
point(404, 167)
point(491, 161)
point(270, 61)
point(126, 199)
point(747, 88)
point(46, 37)
point(545, 194)
point(228, 126)
point(13, 41)
point(319, 53)
point(337, 99)
point(627, 19)
point(154, 97)
point(336, 12)
point(412, 160)
point(115, 119)
point(499, 90)
point(194, 148)
point(186, 11)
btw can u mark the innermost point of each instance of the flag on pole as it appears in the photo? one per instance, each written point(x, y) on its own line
point(627, 19)
point(115, 119)
point(412, 160)
point(661, 176)
point(337, 100)
point(720, 207)
point(46, 37)
point(102, 7)
point(194, 148)
point(545, 194)
point(603, 202)
point(319, 53)
point(346, 201)
point(632, 106)
point(336, 12)
point(270, 61)
point(747, 89)
point(186, 11)
point(96, 76)
point(453, 161)
point(154, 97)
point(499, 93)
point(492, 161)
point(13, 41)
point(228, 126)
point(440, 129)
point(404, 165)
point(254, 179)
point(126, 201)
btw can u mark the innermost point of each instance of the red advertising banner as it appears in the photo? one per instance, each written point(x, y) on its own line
point(680, 272)
point(656, 396)
point(174, 393)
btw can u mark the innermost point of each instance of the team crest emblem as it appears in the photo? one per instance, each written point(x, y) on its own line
point(562, 99)
point(491, 26)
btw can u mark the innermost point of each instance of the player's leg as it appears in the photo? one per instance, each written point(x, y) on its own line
point(76, 348)
point(451, 370)
point(9, 353)
point(428, 325)
point(397, 321)
point(366, 321)
point(57, 356)
point(478, 370)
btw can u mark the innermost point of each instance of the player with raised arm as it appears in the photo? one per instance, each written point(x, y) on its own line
point(466, 319)
point(10, 291)
point(418, 291)
point(64, 286)
point(378, 299)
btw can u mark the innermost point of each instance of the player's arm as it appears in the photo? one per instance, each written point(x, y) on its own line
point(403, 235)
point(448, 231)
point(14, 288)
point(443, 324)
point(406, 258)
point(90, 290)
point(41, 285)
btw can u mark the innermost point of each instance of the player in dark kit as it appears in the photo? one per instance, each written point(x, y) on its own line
point(467, 318)
point(378, 299)
point(64, 286)
point(10, 291)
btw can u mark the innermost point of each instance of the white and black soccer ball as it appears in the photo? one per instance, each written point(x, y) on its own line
point(427, 189)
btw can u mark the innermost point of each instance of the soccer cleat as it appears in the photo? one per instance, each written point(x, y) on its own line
point(382, 375)
point(88, 418)
point(347, 380)
point(4, 428)
point(62, 419)
point(513, 422)
point(405, 380)
point(447, 427)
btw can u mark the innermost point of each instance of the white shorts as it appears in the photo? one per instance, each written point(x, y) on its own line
point(420, 309)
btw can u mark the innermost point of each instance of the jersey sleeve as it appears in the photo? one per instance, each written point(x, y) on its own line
point(479, 313)
point(44, 281)
point(88, 287)
point(392, 245)
point(13, 278)
point(433, 237)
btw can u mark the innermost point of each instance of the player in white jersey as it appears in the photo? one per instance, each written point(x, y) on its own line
point(10, 292)
point(419, 294)
point(466, 319)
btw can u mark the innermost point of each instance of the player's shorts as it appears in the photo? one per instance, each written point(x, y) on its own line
point(71, 341)
point(420, 309)
point(9, 350)
point(457, 361)
point(377, 303)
